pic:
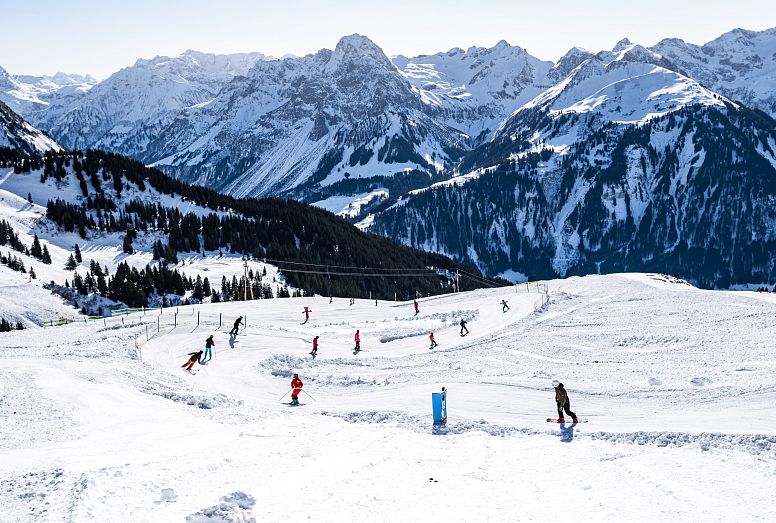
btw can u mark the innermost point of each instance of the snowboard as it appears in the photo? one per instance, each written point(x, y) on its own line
point(555, 420)
point(190, 371)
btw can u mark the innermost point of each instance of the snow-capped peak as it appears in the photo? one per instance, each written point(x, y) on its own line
point(621, 45)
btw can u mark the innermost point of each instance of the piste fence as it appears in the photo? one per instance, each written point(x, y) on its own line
point(539, 287)
point(152, 322)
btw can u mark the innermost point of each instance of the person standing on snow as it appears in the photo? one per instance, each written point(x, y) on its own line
point(315, 346)
point(193, 358)
point(504, 306)
point(358, 341)
point(562, 400)
point(417, 310)
point(209, 344)
point(236, 327)
point(433, 341)
point(463, 327)
point(307, 312)
point(296, 385)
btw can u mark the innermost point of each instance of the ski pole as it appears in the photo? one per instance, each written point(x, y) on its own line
point(308, 394)
point(286, 394)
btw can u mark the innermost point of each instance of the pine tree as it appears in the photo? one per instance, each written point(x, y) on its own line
point(19, 326)
point(70, 265)
point(33, 276)
point(78, 254)
point(4, 325)
point(36, 249)
point(128, 244)
point(46, 257)
point(29, 197)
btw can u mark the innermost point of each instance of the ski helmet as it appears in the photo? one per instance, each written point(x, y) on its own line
point(555, 383)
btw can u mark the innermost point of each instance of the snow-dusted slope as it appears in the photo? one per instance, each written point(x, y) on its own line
point(677, 385)
point(16, 133)
point(127, 110)
point(739, 64)
point(474, 90)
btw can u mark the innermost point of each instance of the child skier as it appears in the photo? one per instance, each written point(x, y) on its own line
point(433, 341)
point(193, 358)
point(358, 341)
point(562, 400)
point(417, 310)
point(315, 346)
point(297, 385)
point(307, 312)
point(504, 306)
point(463, 327)
point(236, 327)
point(209, 344)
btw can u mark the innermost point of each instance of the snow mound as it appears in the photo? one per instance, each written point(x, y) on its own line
point(235, 507)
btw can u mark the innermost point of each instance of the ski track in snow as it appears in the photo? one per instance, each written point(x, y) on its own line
point(677, 385)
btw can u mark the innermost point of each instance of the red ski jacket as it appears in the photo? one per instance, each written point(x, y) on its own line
point(358, 337)
point(296, 383)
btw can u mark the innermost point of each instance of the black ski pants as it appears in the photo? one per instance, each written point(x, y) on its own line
point(567, 407)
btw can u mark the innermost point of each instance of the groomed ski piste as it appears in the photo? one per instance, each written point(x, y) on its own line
point(678, 385)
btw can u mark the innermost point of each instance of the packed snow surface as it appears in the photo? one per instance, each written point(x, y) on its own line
point(677, 383)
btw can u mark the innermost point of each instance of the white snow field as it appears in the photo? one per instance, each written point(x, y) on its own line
point(678, 385)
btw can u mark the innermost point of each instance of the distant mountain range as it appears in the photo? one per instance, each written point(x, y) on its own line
point(632, 158)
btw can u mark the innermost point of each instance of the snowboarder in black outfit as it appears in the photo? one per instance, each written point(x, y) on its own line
point(504, 306)
point(417, 310)
point(209, 344)
point(236, 327)
point(193, 358)
point(463, 327)
point(562, 400)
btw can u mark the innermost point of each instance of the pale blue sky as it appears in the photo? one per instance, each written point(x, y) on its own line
point(100, 37)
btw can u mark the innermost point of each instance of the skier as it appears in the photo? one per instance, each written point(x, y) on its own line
point(504, 306)
point(236, 327)
point(562, 399)
point(352, 301)
point(358, 341)
point(209, 344)
point(307, 312)
point(315, 346)
point(463, 327)
point(193, 358)
point(433, 341)
point(297, 385)
point(417, 310)
point(331, 299)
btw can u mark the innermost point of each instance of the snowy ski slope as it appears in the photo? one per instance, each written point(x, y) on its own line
point(678, 385)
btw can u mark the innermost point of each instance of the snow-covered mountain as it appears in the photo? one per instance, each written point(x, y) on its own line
point(624, 165)
point(739, 64)
point(16, 133)
point(130, 108)
point(27, 94)
point(474, 90)
point(319, 119)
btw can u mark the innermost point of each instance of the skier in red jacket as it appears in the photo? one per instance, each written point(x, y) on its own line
point(297, 385)
point(358, 341)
